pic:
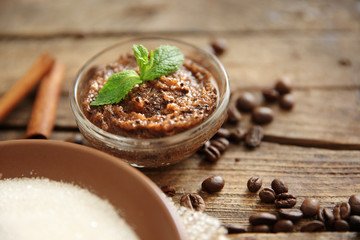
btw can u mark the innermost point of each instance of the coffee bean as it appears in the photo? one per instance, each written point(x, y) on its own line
point(345, 62)
point(212, 154)
point(219, 45)
point(341, 226)
point(169, 190)
point(285, 200)
point(354, 222)
point(76, 138)
point(267, 195)
point(223, 133)
point(283, 85)
point(233, 115)
point(310, 207)
point(270, 94)
point(354, 202)
point(313, 226)
point(254, 136)
point(291, 214)
point(326, 215)
point(213, 184)
point(342, 211)
point(237, 135)
point(262, 218)
point(193, 202)
point(222, 144)
point(262, 115)
point(203, 147)
point(235, 228)
point(246, 102)
point(279, 186)
point(283, 225)
point(263, 228)
point(287, 101)
point(254, 184)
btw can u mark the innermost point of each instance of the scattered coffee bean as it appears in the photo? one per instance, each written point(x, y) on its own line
point(237, 135)
point(285, 200)
point(342, 211)
point(76, 138)
point(254, 184)
point(283, 85)
point(344, 62)
point(223, 133)
point(262, 218)
point(204, 146)
point(287, 101)
point(169, 190)
point(222, 144)
point(341, 226)
point(263, 228)
point(219, 45)
point(354, 202)
point(254, 136)
point(313, 226)
point(235, 228)
point(310, 207)
point(354, 222)
point(270, 94)
point(267, 195)
point(213, 184)
point(326, 215)
point(292, 214)
point(212, 154)
point(262, 115)
point(193, 202)
point(279, 186)
point(233, 115)
point(283, 225)
point(246, 102)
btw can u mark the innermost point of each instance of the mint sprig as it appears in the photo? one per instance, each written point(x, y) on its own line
point(163, 61)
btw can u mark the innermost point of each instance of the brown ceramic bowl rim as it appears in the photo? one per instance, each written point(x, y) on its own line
point(167, 210)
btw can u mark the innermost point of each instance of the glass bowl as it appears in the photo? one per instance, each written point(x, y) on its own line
point(153, 152)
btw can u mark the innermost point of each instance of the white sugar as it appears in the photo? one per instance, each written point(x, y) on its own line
point(44, 209)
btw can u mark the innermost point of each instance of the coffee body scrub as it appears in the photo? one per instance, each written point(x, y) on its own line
point(161, 107)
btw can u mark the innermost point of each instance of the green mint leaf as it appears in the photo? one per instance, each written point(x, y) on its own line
point(165, 60)
point(117, 87)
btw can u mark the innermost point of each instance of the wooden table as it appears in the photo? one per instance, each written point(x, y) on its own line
point(315, 147)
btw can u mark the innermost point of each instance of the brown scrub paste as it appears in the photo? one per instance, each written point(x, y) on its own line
point(156, 108)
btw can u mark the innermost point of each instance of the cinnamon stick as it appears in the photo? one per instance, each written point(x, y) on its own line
point(25, 84)
point(43, 113)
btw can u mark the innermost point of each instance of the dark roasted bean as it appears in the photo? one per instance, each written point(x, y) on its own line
point(310, 207)
point(246, 102)
point(233, 115)
point(313, 226)
point(222, 144)
point(283, 225)
point(342, 211)
point(212, 154)
point(267, 195)
point(204, 146)
point(237, 135)
point(341, 226)
point(213, 184)
point(285, 200)
point(223, 133)
point(287, 101)
point(354, 202)
point(235, 228)
point(262, 218)
point(254, 184)
point(193, 202)
point(279, 186)
point(326, 215)
point(291, 214)
point(283, 85)
point(169, 190)
point(219, 45)
point(254, 136)
point(263, 228)
point(270, 94)
point(262, 115)
point(354, 222)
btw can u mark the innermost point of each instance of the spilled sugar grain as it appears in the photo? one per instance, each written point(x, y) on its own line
point(46, 209)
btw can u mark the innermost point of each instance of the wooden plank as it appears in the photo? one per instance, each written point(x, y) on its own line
point(46, 18)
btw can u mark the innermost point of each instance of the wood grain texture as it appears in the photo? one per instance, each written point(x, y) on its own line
point(47, 18)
